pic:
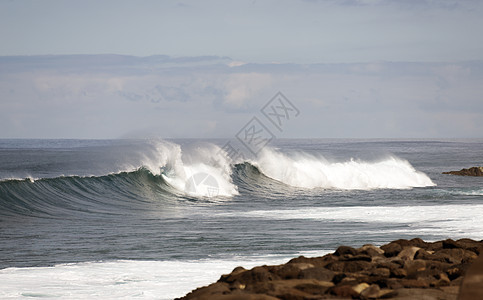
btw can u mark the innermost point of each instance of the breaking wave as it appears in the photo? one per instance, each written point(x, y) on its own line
point(205, 171)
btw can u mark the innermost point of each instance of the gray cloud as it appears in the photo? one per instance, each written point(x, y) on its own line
point(113, 96)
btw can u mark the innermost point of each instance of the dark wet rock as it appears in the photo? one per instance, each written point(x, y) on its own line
point(381, 272)
point(402, 269)
point(450, 244)
point(407, 253)
point(343, 250)
point(322, 274)
point(371, 251)
point(473, 171)
point(292, 270)
point(343, 291)
point(362, 257)
point(472, 285)
point(372, 292)
point(391, 249)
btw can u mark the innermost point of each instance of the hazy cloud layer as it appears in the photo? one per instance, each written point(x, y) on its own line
point(287, 31)
point(110, 96)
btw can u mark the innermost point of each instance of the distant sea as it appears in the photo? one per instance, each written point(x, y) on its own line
point(154, 219)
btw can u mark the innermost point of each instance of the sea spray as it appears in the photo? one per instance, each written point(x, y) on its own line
point(308, 171)
point(203, 170)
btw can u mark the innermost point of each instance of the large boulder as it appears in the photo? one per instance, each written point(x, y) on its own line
point(402, 269)
point(473, 171)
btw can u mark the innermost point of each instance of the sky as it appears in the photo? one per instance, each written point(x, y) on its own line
point(312, 31)
point(353, 68)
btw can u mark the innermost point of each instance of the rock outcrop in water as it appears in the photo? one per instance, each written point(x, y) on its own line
point(473, 171)
point(402, 269)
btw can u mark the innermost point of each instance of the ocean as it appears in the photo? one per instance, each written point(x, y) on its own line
point(154, 219)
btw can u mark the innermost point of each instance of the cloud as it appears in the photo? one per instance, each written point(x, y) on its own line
point(186, 98)
point(242, 88)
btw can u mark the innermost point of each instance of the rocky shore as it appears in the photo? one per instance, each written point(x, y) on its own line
point(402, 269)
point(473, 171)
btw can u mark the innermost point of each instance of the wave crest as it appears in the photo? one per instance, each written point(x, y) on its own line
point(308, 171)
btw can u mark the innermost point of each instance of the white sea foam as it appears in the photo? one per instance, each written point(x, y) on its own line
point(446, 220)
point(308, 171)
point(123, 279)
point(204, 171)
point(467, 192)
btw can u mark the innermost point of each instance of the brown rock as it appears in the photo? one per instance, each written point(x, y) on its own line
point(291, 271)
point(403, 269)
point(450, 244)
point(391, 249)
point(342, 250)
point(471, 245)
point(316, 261)
point(453, 256)
point(343, 291)
point(434, 246)
point(413, 267)
point(356, 266)
point(252, 276)
point(473, 171)
point(370, 250)
point(454, 273)
point(381, 272)
point(398, 273)
point(355, 257)
point(322, 274)
point(414, 283)
point(314, 288)
point(441, 280)
point(472, 286)
point(423, 254)
point(407, 253)
point(423, 293)
point(360, 287)
point(371, 292)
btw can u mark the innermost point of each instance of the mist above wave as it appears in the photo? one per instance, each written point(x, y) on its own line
point(308, 171)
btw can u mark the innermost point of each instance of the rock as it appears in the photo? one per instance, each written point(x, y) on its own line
point(370, 250)
point(414, 283)
point(314, 288)
point(471, 245)
point(473, 171)
point(355, 257)
point(371, 292)
point(398, 273)
point(360, 287)
point(252, 276)
point(408, 253)
point(421, 293)
point(441, 280)
point(381, 272)
point(291, 271)
point(391, 249)
point(338, 278)
point(472, 286)
point(453, 256)
point(343, 291)
point(413, 267)
point(423, 254)
point(316, 261)
point(402, 269)
point(450, 244)
point(356, 266)
point(322, 274)
point(342, 250)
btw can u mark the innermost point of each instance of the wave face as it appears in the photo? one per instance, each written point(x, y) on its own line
point(308, 171)
point(164, 173)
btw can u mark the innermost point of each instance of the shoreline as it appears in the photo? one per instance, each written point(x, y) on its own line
point(401, 269)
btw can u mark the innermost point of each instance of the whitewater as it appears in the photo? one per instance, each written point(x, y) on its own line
point(155, 219)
